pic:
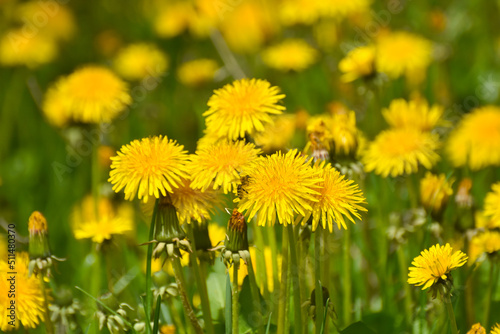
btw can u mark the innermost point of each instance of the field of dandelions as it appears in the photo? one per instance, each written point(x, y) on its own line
point(248, 166)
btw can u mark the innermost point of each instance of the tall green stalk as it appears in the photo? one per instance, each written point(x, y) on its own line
point(317, 284)
point(234, 295)
point(346, 273)
point(283, 296)
point(295, 280)
point(451, 314)
point(149, 292)
point(403, 272)
point(49, 327)
point(489, 292)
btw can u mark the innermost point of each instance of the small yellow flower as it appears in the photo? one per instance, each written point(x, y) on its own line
point(139, 61)
point(357, 63)
point(403, 53)
point(173, 19)
point(435, 191)
point(495, 329)
point(197, 72)
point(30, 310)
point(220, 165)
point(290, 55)
point(413, 114)
point(167, 329)
point(277, 135)
point(434, 264)
point(400, 151)
point(484, 242)
point(31, 51)
point(476, 140)
point(477, 329)
point(492, 204)
point(149, 167)
point(293, 12)
point(243, 107)
point(280, 186)
point(341, 9)
point(482, 222)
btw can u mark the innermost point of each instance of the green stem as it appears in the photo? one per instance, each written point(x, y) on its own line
point(201, 281)
point(149, 292)
point(283, 295)
point(260, 261)
point(271, 233)
point(489, 292)
point(295, 280)
point(451, 314)
point(318, 290)
point(181, 285)
point(412, 193)
point(234, 300)
point(403, 271)
point(347, 278)
point(49, 327)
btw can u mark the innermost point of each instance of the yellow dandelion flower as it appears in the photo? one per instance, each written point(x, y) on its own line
point(477, 329)
point(481, 221)
point(293, 12)
point(276, 135)
point(18, 49)
point(290, 55)
point(220, 165)
point(30, 310)
point(148, 167)
point(197, 72)
point(435, 191)
point(476, 139)
point(358, 63)
point(173, 19)
point(242, 107)
point(484, 242)
point(495, 329)
point(337, 198)
point(339, 9)
point(108, 222)
point(400, 151)
point(412, 114)
point(403, 53)
point(280, 186)
point(434, 264)
point(54, 104)
point(492, 203)
point(344, 131)
point(139, 61)
point(167, 329)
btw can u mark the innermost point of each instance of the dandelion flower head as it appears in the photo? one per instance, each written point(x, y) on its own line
point(276, 135)
point(197, 72)
point(435, 191)
point(139, 61)
point(412, 114)
point(492, 204)
point(290, 55)
point(484, 242)
point(477, 329)
point(16, 49)
point(358, 63)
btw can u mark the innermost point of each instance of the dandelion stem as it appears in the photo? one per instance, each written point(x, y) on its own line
point(49, 327)
point(274, 252)
point(403, 271)
point(318, 290)
point(489, 292)
point(201, 281)
point(347, 278)
point(294, 270)
point(234, 308)
point(227, 56)
point(149, 292)
point(283, 296)
point(181, 285)
point(451, 314)
point(260, 261)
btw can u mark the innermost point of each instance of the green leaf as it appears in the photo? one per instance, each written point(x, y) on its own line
point(358, 328)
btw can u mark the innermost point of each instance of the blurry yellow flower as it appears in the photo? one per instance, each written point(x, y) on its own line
point(173, 18)
point(276, 135)
point(29, 308)
point(403, 53)
point(492, 204)
point(495, 329)
point(339, 9)
point(54, 104)
point(414, 114)
point(148, 167)
point(108, 222)
point(243, 107)
point(139, 61)
point(337, 198)
point(104, 155)
point(435, 191)
point(32, 51)
point(280, 186)
point(344, 132)
point(290, 55)
point(298, 12)
point(357, 63)
point(167, 329)
point(476, 139)
point(434, 264)
point(463, 198)
point(319, 137)
point(220, 165)
point(477, 329)
point(400, 151)
point(481, 221)
point(197, 72)
point(484, 242)
point(58, 20)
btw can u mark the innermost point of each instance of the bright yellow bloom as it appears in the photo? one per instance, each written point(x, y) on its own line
point(280, 185)
point(403, 53)
point(484, 242)
point(477, 329)
point(242, 107)
point(357, 63)
point(277, 135)
point(337, 198)
point(434, 264)
point(54, 104)
point(29, 296)
point(476, 140)
point(400, 151)
point(435, 191)
point(173, 18)
point(290, 55)
point(293, 12)
point(495, 329)
point(18, 49)
point(139, 61)
point(108, 222)
point(414, 114)
point(220, 165)
point(197, 72)
point(492, 204)
point(148, 167)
